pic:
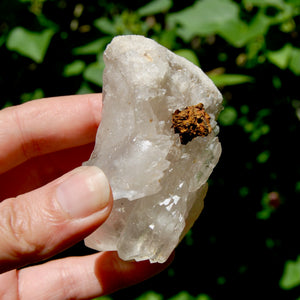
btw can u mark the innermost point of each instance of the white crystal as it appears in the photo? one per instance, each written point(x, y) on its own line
point(158, 184)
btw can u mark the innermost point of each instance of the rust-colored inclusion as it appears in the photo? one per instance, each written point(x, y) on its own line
point(191, 122)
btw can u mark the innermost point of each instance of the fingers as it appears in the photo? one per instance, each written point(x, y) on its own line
point(39, 224)
point(47, 125)
point(84, 277)
point(114, 274)
point(40, 170)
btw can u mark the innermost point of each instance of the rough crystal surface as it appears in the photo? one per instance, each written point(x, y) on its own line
point(158, 183)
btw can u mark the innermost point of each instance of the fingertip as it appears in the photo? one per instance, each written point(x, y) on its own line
point(114, 274)
point(96, 104)
point(85, 192)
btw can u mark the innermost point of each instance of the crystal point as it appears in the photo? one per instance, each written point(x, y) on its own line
point(158, 182)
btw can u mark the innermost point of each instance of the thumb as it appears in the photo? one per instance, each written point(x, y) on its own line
point(41, 223)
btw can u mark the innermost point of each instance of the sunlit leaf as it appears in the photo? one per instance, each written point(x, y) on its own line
point(286, 57)
point(263, 157)
point(204, 17)
point(105, 25)
point(155, 7)
point(230, 79)
point(248, 126)
point(286, 9)
point(228, 116)
point(264, 113)
point(222, 17)
point(294, 2)
point(291, 274)
point(189, 55)
point(37, 94)
point(93, 47)
point(30, 44)
point(93, 73)
point(264, 214)
point(294, 65)
point(150, 296)
point(203, 297)
point(238, 33)
point(182, 296)
point(281, 57)
point(167, 38)
point(267, 210)
point(73, 69)
point(259, 3)
point(84, 89)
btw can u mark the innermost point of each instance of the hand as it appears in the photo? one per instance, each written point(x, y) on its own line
point(48, 203)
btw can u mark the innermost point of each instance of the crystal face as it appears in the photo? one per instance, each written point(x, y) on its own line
point(158, 183)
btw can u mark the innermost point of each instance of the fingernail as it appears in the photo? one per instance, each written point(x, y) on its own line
point(85, 192)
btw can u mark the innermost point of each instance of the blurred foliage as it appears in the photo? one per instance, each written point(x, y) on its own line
point(245, 244)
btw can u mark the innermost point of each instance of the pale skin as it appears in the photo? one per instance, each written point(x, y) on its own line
point(42, 144)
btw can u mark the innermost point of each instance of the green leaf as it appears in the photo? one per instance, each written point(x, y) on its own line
point(203, 297)
point(93, 73)
point(189, 55)
point(294, 64)
point(106, 26)
point(92, 48)
point(264, 214)
point(222, 17)
point(204, 17)
point(30, 44)
point(73, 69)
point(103, 298)
point(281, 58)
point(286, 57)
point(267, 210)
point(150, 296)
point(6, 104)
point(238, 33)
point(182, 296)
point(37, 94)
point(228, 116)
point(263, 157)
point(84, 89)
point(155, 7)
point(294, 2)
point(221, 80)
point(167, 38)
point(291, 274)
point(2, 40)
point(264, 3)
point(286, 9)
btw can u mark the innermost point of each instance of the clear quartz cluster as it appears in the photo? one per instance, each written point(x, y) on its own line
point(158, 184)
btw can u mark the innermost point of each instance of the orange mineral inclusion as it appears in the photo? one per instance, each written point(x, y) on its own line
point(191, 122)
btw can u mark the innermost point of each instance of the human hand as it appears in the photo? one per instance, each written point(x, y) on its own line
point(48, 203)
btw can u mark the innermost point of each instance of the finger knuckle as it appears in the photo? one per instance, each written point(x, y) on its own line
point(17, 228)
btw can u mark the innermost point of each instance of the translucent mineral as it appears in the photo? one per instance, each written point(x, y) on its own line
point(158, 182)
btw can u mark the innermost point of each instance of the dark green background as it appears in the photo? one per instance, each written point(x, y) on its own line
point(246, 243)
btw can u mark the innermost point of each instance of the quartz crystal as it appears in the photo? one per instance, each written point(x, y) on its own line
point(158, 183)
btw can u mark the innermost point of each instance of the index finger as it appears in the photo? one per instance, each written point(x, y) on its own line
point(47, 125)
